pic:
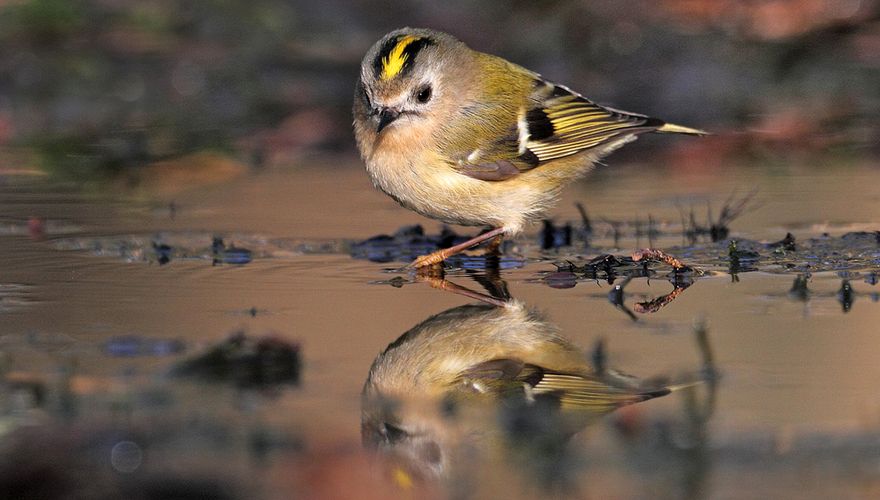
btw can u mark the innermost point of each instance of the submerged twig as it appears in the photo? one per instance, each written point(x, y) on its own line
point(659, 255)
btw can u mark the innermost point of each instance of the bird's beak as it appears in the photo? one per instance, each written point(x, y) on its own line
point(386, 116)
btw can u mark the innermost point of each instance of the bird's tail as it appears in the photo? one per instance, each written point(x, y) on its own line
point(671, 128)
point(685, 385)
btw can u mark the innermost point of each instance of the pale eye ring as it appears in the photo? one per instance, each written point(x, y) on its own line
point(423, 95)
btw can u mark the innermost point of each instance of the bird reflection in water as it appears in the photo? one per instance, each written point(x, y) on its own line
point(489, 382)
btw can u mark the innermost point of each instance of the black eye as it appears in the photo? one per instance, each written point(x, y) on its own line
point(424, 94)
point(393, 434)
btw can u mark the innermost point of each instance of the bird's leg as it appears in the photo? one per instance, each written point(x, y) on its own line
point(490, 279)
point(441, 283)
point(494, 246)
point(441, 255)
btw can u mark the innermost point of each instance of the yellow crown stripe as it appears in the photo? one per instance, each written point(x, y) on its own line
point(393, 63)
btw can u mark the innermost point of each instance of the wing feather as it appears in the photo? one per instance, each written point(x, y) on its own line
point(554, 122)
point(564, 123)
point(508, 376)
point(590, 394)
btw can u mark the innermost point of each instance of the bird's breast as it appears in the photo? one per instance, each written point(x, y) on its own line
point(422, 180)
point(427, 185)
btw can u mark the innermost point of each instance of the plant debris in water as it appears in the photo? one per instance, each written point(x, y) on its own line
point(570, 242)
point(852, 251)
point(195, 246)
point(717, 229)
point(852, 255)
point(247, 362)
point(800, 290)
point(846, 295)
point(231, 254)
point(163, 253)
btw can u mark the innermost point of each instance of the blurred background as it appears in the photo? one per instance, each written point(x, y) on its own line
point(116, 276)
point(97, 89)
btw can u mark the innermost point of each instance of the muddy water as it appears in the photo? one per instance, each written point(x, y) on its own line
point(91, 326)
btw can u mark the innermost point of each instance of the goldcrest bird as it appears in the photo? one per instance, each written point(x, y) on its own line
point(469, 138)
point(477, 357)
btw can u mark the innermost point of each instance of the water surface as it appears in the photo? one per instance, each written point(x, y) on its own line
point(91, 327)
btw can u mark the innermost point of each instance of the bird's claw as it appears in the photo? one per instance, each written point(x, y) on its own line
point(431, 259)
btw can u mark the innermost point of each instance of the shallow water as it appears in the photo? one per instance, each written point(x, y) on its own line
point(91, 326)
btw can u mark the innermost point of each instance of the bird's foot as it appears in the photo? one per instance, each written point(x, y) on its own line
point(432, 259)
point(441, 255)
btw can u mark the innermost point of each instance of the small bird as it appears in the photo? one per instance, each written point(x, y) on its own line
point(469, 138)
point(476, 360)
